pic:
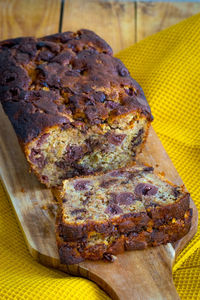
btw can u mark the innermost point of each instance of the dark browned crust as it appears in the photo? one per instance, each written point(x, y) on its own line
point(78, 251)
point(124, 223)
point(46, 81)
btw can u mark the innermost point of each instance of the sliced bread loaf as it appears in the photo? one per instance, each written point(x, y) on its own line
point(129, 208)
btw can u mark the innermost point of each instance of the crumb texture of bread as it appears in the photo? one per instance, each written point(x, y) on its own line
point(125, 209)
point(74, 107)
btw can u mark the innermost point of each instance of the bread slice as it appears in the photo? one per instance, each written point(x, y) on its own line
point(74, 107)
point(128, 208)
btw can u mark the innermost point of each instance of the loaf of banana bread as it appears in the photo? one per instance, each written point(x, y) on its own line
point(74, 107)
point(129, 208)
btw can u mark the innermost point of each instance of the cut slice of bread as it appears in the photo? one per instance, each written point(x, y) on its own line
point(129, 208)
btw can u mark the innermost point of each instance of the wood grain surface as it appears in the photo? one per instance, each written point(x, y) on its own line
point(28, 17)
point(114, 21)
point(121, 23)
point(153, 17)
point(144, 274)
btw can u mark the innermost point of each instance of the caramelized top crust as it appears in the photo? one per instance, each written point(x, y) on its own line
point(67, 79)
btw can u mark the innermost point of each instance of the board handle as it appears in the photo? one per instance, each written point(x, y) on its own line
point(135, 275)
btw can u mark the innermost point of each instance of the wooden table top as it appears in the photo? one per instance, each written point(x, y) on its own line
point(121, 23)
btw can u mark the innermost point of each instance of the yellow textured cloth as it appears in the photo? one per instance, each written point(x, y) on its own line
point(167, 65)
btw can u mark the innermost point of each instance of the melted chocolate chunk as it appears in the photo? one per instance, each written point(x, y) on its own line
point(37, 158)
point(125, 198)
point(145, 189)
point(74, 153)
point(107, 183)
point(113, 209)
point(81, 185)
point(116, 139)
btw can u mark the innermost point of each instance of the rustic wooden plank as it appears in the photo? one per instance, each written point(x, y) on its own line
point(28, 17)
point(143, 274)
point(153, 17)
point(112, 20)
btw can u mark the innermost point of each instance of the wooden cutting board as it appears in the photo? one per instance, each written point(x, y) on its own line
point(144, 274)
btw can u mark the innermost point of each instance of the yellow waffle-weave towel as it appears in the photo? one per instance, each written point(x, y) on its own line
point(167, 65)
